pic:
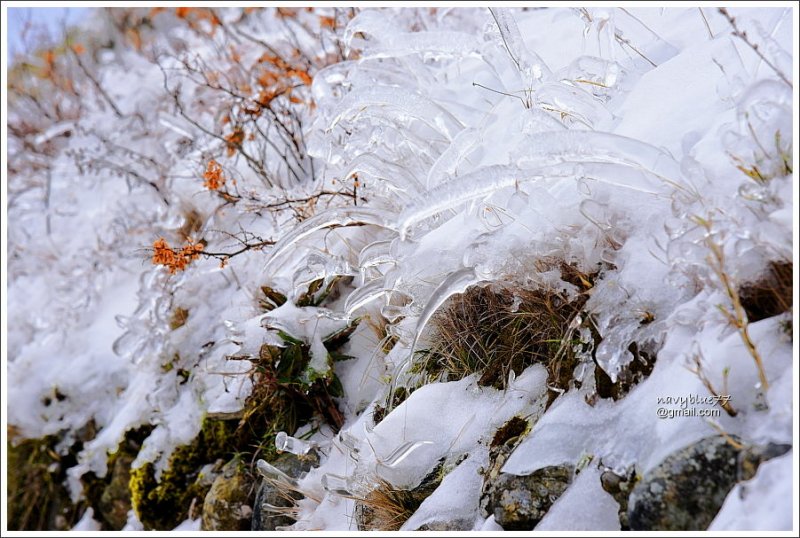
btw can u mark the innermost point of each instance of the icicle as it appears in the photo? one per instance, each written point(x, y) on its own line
point(332, 218)
point(448, 161)
point(528, 63)
point(298, 447)
point(408, 103)
point(337, 484)
point(477, 184)
point(401, 453)
point(349, 444)
point(364, 295)
point(385, 40)
point(379, 169)
point(376, 253)
point(271, 472)
point(456, 282)
point(577, 146)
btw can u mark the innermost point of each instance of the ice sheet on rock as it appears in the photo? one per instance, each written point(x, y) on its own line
point(584, 506)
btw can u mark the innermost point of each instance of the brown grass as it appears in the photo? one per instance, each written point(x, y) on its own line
point(493, 330)
point(386, 508)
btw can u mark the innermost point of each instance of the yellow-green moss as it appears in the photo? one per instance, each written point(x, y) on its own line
point(162, 504)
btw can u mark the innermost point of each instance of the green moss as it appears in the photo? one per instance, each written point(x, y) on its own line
point(161, 504)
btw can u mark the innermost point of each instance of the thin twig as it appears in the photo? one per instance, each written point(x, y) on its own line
point(741, 34)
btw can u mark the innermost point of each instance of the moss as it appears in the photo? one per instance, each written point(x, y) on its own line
point(37, 498)
point(282, 399)
point(161, 504)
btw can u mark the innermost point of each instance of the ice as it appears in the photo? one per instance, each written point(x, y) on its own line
point(332, 218)
point(528, 63)
point(406, 103)
point(447, 163)
point(457, 282)
point(391, 43)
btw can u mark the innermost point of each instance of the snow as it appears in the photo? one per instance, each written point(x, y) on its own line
point(764, 502)
point(470, 145)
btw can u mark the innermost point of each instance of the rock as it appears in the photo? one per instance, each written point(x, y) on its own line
point(115, 501)
point(227, 503)
point(688, 488)
point(520, 502)
point(266, 519)
point(619, 487)
point(752, 457)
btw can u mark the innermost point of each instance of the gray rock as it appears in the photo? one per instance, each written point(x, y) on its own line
point(115, 501)
point(266, 518)
point(520, 502)
point(226, 506)
point(688, 488)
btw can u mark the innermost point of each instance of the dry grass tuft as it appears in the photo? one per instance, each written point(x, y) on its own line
point(493, 330)
point(386, 508)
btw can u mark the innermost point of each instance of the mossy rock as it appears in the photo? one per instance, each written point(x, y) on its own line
point(518, 503)
point(686, 490)
point(162, 504)
point(228, 504)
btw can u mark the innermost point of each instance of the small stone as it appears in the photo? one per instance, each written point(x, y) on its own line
point(226, 505)
point(520, 502)
point(619, 487)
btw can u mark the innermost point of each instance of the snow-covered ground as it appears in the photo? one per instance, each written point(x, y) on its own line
point(479, 145)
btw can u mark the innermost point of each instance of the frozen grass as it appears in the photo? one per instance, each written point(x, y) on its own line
point(494, 330)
